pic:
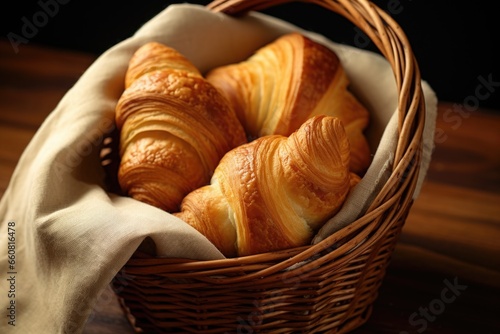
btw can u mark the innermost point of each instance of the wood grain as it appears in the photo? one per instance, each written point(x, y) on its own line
point(451, 235)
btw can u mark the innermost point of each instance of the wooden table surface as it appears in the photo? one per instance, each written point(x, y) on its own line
point(451, 237)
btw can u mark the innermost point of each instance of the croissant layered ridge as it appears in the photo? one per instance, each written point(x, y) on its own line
point(286, 82)
point(174, 128)
point(275, 192)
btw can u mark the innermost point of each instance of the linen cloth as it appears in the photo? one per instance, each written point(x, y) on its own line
point(72, 236)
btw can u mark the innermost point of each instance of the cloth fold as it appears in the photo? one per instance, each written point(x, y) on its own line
point(70, 236)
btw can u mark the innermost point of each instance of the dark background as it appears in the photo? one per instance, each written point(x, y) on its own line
point(454, 42)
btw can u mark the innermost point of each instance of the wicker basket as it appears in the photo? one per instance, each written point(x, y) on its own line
point(327, 287)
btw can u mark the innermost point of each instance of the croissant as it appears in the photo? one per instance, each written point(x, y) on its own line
point(288, 81)
point(174, 128)
point(274, 192)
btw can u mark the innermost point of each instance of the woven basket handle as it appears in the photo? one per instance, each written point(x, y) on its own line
point(392, 42)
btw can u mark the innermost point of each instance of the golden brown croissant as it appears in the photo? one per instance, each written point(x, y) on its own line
point(288, 81)
point(174, 128)
point(274, 192)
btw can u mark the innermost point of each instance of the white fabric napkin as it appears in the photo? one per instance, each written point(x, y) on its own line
point(68, 235)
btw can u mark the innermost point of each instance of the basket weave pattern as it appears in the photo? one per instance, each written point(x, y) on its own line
point(327, 287)
point(335, 292)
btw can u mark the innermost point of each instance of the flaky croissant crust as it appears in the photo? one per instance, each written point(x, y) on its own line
point(174, 128)
point(274, 192)
point(288, 81)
